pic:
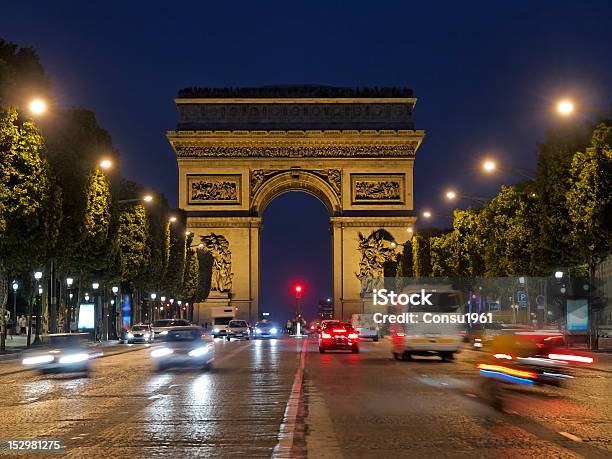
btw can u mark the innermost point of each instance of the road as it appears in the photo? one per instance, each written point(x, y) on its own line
point(282, 398)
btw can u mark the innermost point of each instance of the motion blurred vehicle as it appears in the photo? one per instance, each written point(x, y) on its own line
point(427, 339)
point(266, 329)
point(238, 329)
point(480, 335)
point(64, 353)
point(163, 326)
point(314, 327)
point(336, 335)
point(139, 333)
point(365, 326)
point(518, 360)
point(185, 347)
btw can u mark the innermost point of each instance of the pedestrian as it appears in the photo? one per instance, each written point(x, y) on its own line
point(23, 323)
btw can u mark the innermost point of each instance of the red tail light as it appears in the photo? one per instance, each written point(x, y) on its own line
point(353, 336)
point(571, 358)
point(325, 335)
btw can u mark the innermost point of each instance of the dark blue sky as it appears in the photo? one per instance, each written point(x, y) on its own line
point(485, 73)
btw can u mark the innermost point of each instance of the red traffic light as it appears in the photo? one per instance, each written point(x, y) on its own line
point(298, 289)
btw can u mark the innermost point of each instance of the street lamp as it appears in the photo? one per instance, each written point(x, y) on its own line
point(565, 107)
point(489, 165)
point(148, 198)
point(451, 195)
point(153, 296)
point(106, 164)
point(114, 302)
point(410, 229)
point(15, 288)
point(187, 233)
point(37, 106)
point(69, 307)
point(172, 219)
point(95, 285)
point(427, 214)
point(38, 276)
point(558, 274)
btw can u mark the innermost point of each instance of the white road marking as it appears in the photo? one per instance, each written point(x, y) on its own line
point(571, 436)
point(288, 426)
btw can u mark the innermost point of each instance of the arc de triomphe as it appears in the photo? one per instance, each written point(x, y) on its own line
point(237, 149)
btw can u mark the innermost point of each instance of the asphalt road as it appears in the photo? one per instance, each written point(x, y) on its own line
point(282, 398)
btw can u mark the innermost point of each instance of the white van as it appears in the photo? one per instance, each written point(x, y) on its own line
point(421, 338)
point(365, 325)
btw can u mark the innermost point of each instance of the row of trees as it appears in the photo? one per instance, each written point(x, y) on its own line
point(560, 219)
point(64, 215)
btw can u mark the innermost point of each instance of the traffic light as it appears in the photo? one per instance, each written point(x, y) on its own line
point(298, 289)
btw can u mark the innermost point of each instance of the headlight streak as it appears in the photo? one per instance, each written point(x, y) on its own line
point(37, 360)
point(73, 358)
point(161, 352)
point(198, 352)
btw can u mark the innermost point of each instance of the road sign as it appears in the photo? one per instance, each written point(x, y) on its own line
point(521, 298)
point(540, 300)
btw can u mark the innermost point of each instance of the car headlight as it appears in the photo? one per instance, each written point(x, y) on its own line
point(273, 331)
point(130, 335)
point(165, 332)
point(146, 334)
point(216, 330)
point(257, 330)
point(37, 360)
point(74, 358)
point(161, 352)
point(198, 352)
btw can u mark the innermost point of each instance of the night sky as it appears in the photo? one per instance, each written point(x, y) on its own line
point(486, 75)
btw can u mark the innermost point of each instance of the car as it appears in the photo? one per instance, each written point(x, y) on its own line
point(366, 326)
point(238, 329)
point(64, 353)
point(337, 335)
point(266, 330)
point(139, 333)
point(185, 347)
point(162, 326)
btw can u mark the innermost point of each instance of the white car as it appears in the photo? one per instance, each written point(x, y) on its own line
point(161, 327)
point(366, 327)
point(238, 329)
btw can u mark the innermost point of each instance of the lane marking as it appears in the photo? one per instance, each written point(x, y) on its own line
point(288, 427)
point(571, 436)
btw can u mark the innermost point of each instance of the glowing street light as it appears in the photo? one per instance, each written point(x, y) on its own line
point(69, 281)
point(37, 106)
point(565, 107)
point(187, 233)
point(106, 164)
point(95, 285)
point(559, 275)
point(489, 165)
point(172, 219)
point(148, 198)
point(451, 195)
point(427, 214)
point(410, 229)
point(153, 296)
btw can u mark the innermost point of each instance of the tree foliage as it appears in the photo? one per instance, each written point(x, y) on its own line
point(590, 198)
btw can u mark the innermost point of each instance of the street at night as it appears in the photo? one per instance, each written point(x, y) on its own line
point(347, 405)
point(328, 229)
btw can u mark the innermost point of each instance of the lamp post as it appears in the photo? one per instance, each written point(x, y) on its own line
point(298, 294)
point(38, 276)
point(15, 288)
point(69, 308)
point(116, 315)
point(153, 296)
point(99, 312)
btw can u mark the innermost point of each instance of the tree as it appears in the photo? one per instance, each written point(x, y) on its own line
point(469, 242)
point(421, 255)
point(404, 266)
point(131, 243)
point(93, 254)
point(508, 234)
point(552, 181)
point(191, 278)
point(590, 199)
point(172, 281)
point(21, 75)
point(26, 196)
point(444, 255)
